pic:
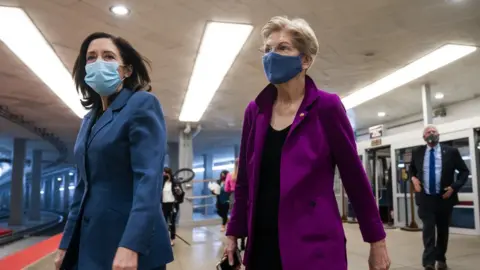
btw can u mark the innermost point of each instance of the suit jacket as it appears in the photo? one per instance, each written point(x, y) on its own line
point(311, 234)
point(116, 202)
point(451, 161)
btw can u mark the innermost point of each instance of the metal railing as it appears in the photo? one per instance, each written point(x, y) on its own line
point(20, 234)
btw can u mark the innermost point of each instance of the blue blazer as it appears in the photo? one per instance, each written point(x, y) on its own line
point(116, 202)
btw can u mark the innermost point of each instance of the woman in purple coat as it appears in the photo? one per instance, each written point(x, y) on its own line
point(293, 137)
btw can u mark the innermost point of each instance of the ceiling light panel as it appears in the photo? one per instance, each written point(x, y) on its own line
point(435, 60)
point(439, 95)
point(120, 10)
point(22, 37)
point(219, 47)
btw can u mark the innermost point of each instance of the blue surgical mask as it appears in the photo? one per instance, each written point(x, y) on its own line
point(281, 68)
point(103, 77)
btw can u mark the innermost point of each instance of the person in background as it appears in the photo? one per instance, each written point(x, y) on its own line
point(114, 220)
point(172, 196)
point(432, 172)
point(223, 199)
point(230, 187)
point(293, 137)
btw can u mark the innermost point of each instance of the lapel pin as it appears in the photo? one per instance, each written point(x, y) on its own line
point(302, 114)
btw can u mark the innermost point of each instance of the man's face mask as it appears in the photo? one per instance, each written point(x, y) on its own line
point(432, 139)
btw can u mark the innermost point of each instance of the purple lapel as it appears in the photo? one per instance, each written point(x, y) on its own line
point(262, 124)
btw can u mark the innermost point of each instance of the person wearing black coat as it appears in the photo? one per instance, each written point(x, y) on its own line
point(437, 172)
point(172, 196)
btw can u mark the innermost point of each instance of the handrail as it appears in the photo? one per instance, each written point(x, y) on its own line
point(203, 205)
point(191, 198)
point(203, 181)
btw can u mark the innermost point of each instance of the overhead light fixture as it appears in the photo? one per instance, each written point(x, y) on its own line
point(381, 114)
point(59, 179)
point(120, 10)
point(23, 38)
point(439, 95)
point(219, 47)
point(435, 60)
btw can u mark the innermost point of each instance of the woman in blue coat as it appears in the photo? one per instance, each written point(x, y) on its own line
point(115, 221)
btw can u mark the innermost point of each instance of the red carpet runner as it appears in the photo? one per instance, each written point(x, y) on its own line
point(26, 257)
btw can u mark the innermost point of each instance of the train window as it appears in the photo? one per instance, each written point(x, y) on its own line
point(404, 157)
point(464, 148)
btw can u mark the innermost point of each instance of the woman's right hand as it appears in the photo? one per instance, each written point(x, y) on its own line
point(231, 248)
point(60, 254)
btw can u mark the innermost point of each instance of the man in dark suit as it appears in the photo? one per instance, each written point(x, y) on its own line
point(432, 171)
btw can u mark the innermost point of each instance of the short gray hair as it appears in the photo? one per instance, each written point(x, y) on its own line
point(429, 127)
point(304, 38)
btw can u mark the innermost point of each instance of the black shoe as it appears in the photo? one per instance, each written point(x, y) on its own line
point(442, 266)
point(429, 267)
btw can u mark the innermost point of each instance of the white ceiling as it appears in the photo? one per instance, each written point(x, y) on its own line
point(168, 32)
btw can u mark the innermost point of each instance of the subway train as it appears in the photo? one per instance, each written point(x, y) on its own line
point(387, 159)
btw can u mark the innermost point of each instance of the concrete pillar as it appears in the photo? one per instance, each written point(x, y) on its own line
point(173, 158)
point(57, 198)
point(185, 160)
point(427, 105)
point(16, 188)
point(46, 191)
point(207, 174)
point(236, 151)
point(49, 192)
point(35, 184)
point(66, 192)
point(208, 166)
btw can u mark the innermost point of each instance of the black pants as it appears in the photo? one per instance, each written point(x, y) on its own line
point(435, 214)
point(222, 210)
point(170, 211)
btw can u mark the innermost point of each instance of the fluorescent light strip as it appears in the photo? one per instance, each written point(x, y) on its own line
point(435, 60)
point(220, 45)
point(23, 38)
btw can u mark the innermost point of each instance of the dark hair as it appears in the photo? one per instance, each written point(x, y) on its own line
point(167, 170)
point(224, 173)
point(139, 79)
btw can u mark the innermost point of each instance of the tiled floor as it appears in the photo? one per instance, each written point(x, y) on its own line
point(405, 248)
point(206, 246)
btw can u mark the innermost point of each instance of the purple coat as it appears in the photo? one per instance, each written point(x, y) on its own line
point(311, 234)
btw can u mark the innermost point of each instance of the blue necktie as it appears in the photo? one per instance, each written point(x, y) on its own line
point(431, 175)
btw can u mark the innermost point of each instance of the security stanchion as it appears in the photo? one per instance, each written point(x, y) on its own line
point(412, 227)
point(344, 211)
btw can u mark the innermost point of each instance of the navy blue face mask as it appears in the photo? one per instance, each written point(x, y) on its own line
point(281, 68)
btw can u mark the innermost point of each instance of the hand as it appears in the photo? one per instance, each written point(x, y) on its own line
point(60, 254)
point(416, 184)
point(230, 249)
point(125, 259)
point(448, 193)
point(379, 259)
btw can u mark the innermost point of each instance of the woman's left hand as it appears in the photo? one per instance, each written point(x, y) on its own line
point(379, 259)
point(125, 259)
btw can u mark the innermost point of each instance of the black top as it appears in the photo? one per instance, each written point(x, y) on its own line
point(266, 250)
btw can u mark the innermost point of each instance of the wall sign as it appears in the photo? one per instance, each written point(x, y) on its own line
point(376, 132)
point(376, 142)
